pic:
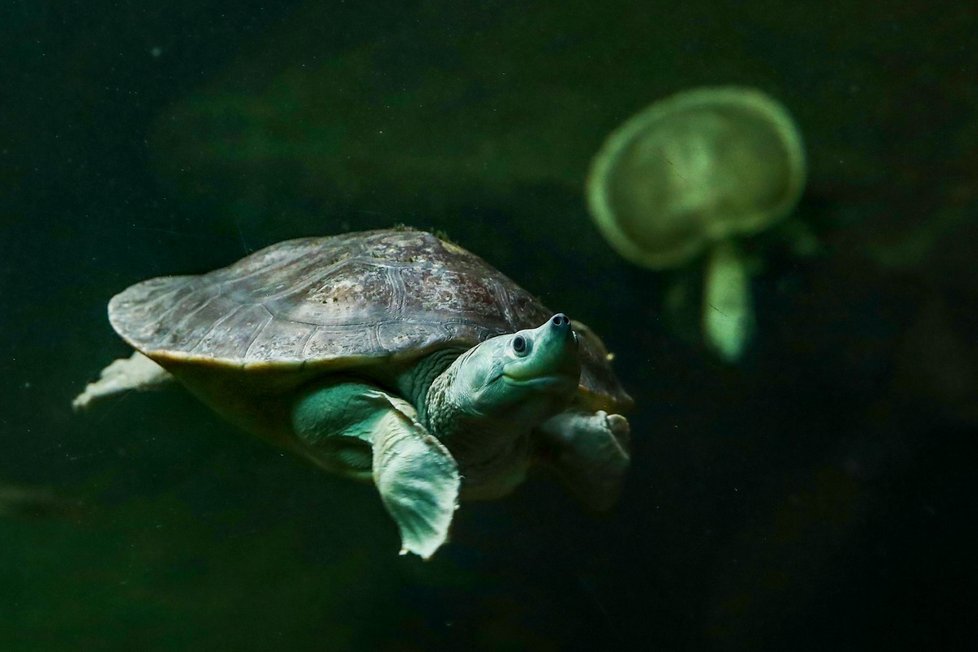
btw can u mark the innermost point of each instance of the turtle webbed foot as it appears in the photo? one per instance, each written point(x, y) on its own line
point(418, 481)
point(136, 372)
point(415, 474)
point(590, 451)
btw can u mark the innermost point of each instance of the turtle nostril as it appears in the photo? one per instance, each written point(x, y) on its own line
point(560, 319)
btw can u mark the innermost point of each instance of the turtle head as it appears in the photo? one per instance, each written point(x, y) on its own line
point(525, 376)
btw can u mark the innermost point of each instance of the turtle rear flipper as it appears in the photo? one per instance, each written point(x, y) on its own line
point(342, 423)
point(137, 372)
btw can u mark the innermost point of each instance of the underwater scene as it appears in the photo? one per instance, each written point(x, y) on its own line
point(433, 325)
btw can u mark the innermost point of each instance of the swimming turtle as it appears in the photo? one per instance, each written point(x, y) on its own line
point(392, 356)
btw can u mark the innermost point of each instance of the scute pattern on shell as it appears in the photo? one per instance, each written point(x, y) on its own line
point(377, 294)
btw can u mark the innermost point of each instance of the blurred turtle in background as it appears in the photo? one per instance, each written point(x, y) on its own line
point(391, 356)
point(690, 175)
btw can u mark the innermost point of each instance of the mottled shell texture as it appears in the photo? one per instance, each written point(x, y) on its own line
point(332, 303)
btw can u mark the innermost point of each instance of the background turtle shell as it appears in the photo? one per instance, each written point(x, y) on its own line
point(335, 302)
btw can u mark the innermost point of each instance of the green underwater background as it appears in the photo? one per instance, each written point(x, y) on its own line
point(819, 494)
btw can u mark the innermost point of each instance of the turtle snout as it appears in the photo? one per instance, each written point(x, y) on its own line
point(560, 322)
point(560, 326)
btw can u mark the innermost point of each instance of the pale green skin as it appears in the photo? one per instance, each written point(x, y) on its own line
point(487, 411)
point(455, 424)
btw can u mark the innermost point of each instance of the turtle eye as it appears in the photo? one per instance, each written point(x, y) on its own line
point(520, 345)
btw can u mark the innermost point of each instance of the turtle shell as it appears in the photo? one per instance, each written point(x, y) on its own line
point(326, 304)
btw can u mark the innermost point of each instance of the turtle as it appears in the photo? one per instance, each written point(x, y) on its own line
point(392, 356)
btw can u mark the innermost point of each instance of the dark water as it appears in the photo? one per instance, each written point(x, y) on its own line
point(819, 495)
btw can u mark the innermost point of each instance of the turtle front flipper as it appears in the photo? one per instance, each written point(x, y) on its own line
point(590, 452)
point(357, 429)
